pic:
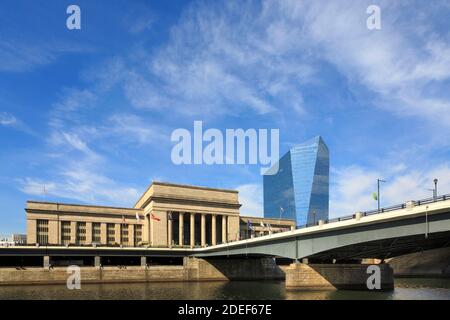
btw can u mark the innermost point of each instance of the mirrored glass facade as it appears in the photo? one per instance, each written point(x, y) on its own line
point(300, 188)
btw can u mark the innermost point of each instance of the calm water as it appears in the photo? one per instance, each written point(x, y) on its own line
point(404, 289)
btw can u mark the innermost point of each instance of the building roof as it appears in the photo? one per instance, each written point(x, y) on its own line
point(157, 183)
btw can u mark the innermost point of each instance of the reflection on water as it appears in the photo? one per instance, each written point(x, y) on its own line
point(404, 289)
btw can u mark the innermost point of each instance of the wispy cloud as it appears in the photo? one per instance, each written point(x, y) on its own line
point(259, 57)
point(78, 173)
point(134, 129)
point(11, 121)
point(20, 56)
point(251, 198)
point(7, 119)
point(83, 185)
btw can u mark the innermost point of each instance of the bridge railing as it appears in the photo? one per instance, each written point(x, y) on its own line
point(382, 210)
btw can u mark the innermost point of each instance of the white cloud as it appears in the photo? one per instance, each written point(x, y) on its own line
point(251, 198)
point(69, 139)
point(83, 185)
point(132, 128)
point(23, 56)
point(246, 56)
point(353, 187)
point(71, 107)
point(11, 121)
point(7, 119)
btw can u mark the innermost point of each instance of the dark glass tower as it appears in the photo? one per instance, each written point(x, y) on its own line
point(300, 189)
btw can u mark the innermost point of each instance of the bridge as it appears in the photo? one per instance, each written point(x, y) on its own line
point(406, 228)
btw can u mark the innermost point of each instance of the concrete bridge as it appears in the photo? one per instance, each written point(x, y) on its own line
point(406, 228)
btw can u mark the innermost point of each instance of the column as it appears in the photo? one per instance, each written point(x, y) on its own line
point(192, 227)
point(203, 224)
point(181, 229)
point(169, 230)
point(103, 237)
point(117, 234)
point(131, 234)
point(213, 230)
point(73, 232)
point(53, 232)
point(88, 233)
point(224, 229)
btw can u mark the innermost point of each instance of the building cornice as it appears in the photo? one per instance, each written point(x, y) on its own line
point(167, 184)
point(165, 198)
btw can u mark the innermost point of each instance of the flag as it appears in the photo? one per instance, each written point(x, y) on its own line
point(169, 216)
point(137, 217)
point(249, 225)
point(123, 219)
point(270, 227)
point(154, 217)
point(262, 224)
point(375, 196)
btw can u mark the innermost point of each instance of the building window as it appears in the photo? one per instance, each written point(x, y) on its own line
point(111, 233)
point(124, 233)
point(65, 232)
point(42, 231)
point(81, 233)
point(96, 232)
point(137, 234)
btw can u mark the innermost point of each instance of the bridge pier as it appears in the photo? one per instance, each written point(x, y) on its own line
point(301, 276)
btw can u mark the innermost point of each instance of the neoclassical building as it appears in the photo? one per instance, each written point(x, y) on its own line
point(166, 215)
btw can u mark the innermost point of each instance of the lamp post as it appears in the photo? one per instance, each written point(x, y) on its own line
point(435, 189)
point(378, 194)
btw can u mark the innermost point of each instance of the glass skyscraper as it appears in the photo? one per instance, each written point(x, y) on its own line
point(300, 189)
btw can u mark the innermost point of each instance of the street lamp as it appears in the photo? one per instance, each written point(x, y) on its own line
point(435, 189)
point(378, 194)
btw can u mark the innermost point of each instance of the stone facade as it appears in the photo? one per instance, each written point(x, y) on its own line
point(166, 215)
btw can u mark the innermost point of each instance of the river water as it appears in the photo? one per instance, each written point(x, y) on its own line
point(404, 289)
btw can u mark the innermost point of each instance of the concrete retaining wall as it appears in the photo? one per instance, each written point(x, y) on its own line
point(193, 269)
point(11, 276)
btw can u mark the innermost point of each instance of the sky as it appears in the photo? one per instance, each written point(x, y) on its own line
point(86, 115)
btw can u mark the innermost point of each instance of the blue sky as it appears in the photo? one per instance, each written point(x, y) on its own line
point(88, 113)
